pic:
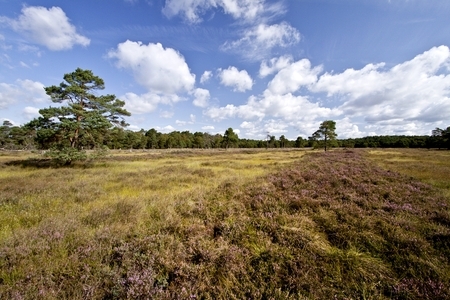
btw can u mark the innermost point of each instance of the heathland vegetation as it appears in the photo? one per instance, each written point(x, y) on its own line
point(227, 224)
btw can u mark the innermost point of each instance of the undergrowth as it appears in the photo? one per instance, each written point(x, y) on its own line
point(330, 226)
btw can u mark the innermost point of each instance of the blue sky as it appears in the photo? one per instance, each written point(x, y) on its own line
point(376, 67)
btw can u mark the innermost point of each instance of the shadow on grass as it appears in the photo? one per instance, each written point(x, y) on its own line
point(46, 163)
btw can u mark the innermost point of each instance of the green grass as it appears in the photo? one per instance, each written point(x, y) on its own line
point(237, 224)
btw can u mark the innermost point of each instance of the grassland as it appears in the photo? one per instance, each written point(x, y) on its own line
point(432, 167)
point(227, 225)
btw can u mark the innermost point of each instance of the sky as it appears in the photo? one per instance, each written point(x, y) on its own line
point(278, 67)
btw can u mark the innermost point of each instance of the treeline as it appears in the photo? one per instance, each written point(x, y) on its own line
point(440, 138)
point(31, 137)
point(390, 141)
point(27, 137)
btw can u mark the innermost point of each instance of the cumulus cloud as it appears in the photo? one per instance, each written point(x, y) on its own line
point(275, 126)
point(34, 89)
point(166, 114)
point(287, 107)
point(148, 102)
point(247, 125)
point(201, 97)
point(274, 65)
point(345, 128)
point(260, 129)
point(279, 104)
point(30, 112)
point(208, 127)
point(224, 112)
point(412, 97)
point(184, 123)
point(257, 42)
point(293, 77)
point(181, 123)
point(192, 10)
point(48, 27)
point(205, 76)
point(23, 90)
point(158, 69)
point(8, 95)
point(416, 90)
point(167, 128)
point(240, 81)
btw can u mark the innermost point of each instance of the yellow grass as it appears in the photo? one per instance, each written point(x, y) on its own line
point(126, 189)
point(430, 166)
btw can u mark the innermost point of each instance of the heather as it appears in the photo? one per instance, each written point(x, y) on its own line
point(227, 225)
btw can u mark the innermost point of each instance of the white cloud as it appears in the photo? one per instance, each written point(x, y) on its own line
point(201, 97)
point(410, 98)
point(48, 27)
point(258, 41)
point(157, 69)
point(148, 102)
point(30, 112)
point(275, 127)
point(34, 90)
point(239, 80)
point(29, 48)
point(184, 123)
point(345, 128)
point(8, 95)
point(166, 114)
point(247, 125)
point(260, 129)
point(208, 127)
point(274, 65)
point(399, 127)
point(167, 128)
point(293, 77)
point(138, 104)
point(192, 10)
point(355, 82)
point(414, 91)
point(295, 109)
point(246, 9)
point(205, 76)
point(23, 90)
point(180, 123)
point(225, 112)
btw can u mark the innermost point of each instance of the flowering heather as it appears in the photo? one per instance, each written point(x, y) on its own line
point(330, 225)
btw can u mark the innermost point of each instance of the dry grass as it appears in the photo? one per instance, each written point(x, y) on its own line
point(223, 225)
point(429, 166)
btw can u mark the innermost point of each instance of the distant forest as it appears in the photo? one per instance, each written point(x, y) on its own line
point(28, 138)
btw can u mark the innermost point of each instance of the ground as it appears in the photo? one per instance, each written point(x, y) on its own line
point(257, 224)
